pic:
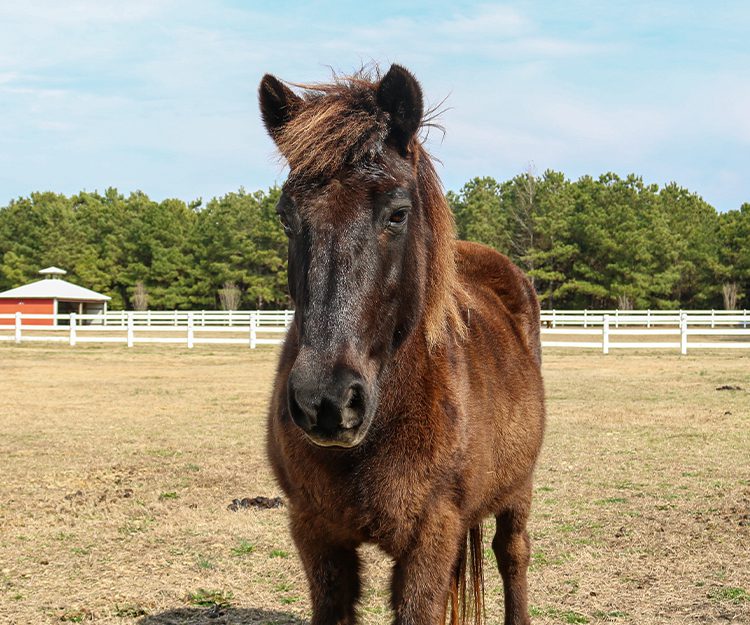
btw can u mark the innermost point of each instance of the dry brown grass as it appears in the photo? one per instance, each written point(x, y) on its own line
point(117, 467)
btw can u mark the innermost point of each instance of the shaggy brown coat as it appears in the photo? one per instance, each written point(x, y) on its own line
point(450, 352)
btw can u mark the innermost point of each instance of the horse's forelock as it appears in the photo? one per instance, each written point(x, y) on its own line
point(338, 124)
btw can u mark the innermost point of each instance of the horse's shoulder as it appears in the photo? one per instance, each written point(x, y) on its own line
point(480, 264)
point(488, 274)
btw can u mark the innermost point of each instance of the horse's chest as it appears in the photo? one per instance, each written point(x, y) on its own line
point(370, 503)
point(381, 495)
point(391, 499)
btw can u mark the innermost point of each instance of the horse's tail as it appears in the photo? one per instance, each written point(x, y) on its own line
point(466, 595)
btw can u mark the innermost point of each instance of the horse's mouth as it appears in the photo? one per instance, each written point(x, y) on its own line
point(344, 438)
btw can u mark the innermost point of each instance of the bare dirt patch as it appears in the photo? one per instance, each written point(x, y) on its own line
point(119, 468)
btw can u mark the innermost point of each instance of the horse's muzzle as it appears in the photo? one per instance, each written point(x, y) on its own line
point(334, 411)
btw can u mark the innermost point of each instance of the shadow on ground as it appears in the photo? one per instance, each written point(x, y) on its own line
point(225, 616)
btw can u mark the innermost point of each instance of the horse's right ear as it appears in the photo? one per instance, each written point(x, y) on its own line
point(277, 103)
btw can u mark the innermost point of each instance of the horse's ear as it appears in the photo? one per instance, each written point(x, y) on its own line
point(277, 103)
point(400, 95)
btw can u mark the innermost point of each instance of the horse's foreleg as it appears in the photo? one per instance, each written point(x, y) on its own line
point(422, 573)
point(512, 550)
point(332, 572)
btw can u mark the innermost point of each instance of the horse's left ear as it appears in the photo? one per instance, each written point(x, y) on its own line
point(400, 95)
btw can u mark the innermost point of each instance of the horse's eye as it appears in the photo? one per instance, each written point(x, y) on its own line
point(285, 224)
point(398, 217)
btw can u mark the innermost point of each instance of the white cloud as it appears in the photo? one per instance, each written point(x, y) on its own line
point(487, 20)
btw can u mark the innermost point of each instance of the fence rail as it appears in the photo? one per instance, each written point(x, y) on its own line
point(200, 318)
point(190, 328)
point(596, 329)
point(647, 318)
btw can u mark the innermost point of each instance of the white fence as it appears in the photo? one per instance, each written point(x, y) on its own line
point(200, 318)
point(604, 330)
point(725, 330)
point(251, 328)
point(645, 318)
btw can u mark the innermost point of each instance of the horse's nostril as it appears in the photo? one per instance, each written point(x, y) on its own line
point(306, 405)
point(355, 398)
point(303, 408)
point(353, 407)
point(351, 398)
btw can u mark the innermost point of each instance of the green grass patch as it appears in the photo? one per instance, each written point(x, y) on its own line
point(540, 559)
point(564, 616)
point(209, 598)
point(608, 500)
point(129, 611)
point(567, 528)
point(612, 614)
point(731, 594)
point(164, 453)
point(279, 553)
point(243, 549)
point(205, 564)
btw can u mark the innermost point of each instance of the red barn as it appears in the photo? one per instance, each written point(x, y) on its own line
point(51, 296)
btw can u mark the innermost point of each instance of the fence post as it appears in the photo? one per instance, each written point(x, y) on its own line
point(253, 332)
point(203, 318)
point(683, 334)
point(190, 331)
point(18, 327)
point(712, 317)
point(648, 318)
point(554, 319)
point(585, 321)
point(605, 335)
point(131, 337)
point(72, 327)
point(148, 317)
point(617, 317)
point(744, 317)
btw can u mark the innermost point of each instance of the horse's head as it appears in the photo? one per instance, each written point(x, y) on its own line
point(360, 240)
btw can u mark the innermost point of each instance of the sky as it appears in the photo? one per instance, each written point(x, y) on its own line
point(161, 95)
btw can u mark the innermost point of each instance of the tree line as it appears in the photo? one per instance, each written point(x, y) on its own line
point(611, 242)
point(163, 255)
point(591, 243)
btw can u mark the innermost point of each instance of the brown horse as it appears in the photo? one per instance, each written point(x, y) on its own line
point(408, 403)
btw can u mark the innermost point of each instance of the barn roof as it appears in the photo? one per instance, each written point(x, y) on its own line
point(52, 271)
point(54, 289)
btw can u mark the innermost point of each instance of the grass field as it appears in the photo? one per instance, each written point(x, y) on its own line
point(117, 467)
